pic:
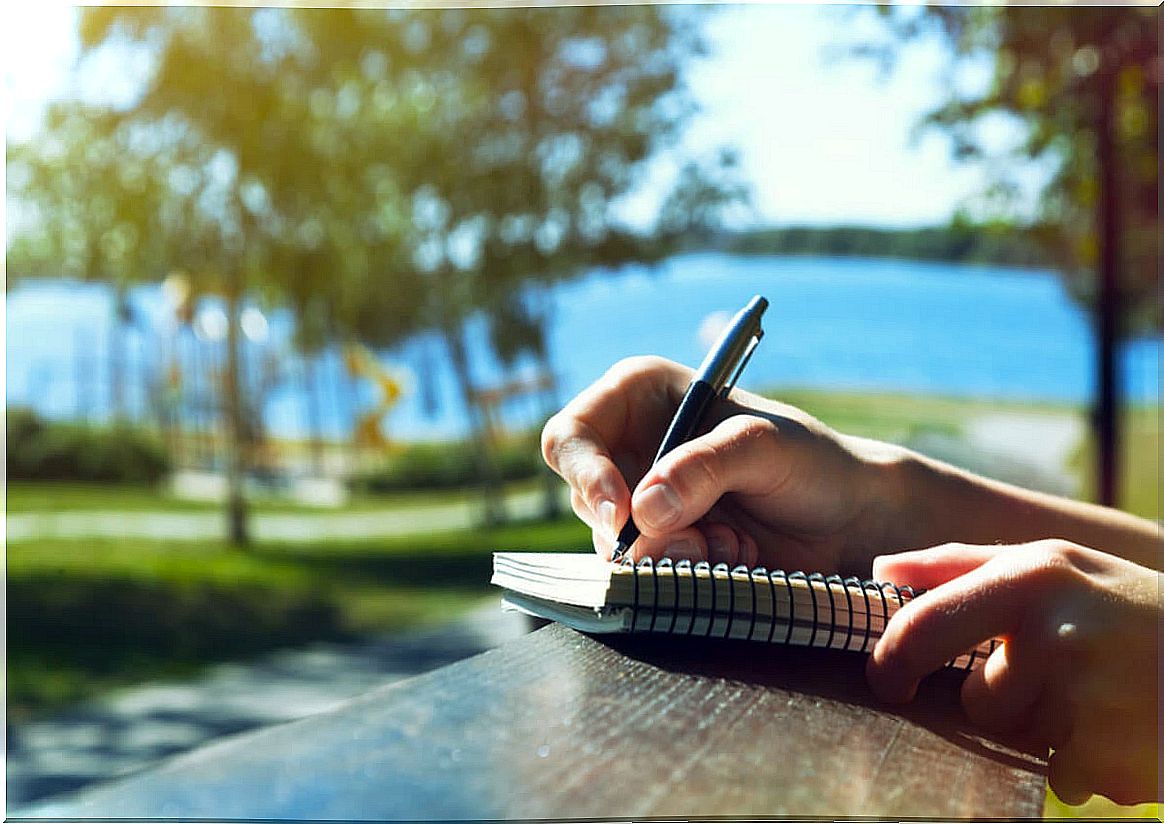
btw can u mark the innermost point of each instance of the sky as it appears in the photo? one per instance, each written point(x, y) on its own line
point(823, 139)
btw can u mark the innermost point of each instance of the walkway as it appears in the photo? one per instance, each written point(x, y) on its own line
point(284, 527)
point(1030, 449)
point(132, 729)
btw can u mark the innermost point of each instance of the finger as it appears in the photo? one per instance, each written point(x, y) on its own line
point(926, 568)
point(582, 509)
point(723, 545)
point(941, 624)
point(626, 410)
point(572, 450)
point(603, 546)
point(738, 455)
point(749, 550)
point(628, 407)
point(1051, 722)
point(1067, 777)
point(682, 545)
point(1001, 694)
point(1102, 757)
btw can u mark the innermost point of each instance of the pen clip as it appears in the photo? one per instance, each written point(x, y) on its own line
point(730, 385)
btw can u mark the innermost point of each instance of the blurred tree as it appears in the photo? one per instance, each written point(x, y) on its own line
point(531, 124)
point(271, 198)
point(1085, 83)
point(99, 207)
point(385, 172)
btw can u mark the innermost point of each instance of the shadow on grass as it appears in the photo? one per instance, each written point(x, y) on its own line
point(78, 623)
point(64, 633)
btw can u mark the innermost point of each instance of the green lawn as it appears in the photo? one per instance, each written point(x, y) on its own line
point(85, 616)
point(51, 496)
point(899, 418)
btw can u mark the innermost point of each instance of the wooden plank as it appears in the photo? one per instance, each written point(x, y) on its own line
point(560, 725)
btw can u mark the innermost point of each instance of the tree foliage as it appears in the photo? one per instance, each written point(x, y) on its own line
point(1054, 70)
point(386, 171)
point(381, 172)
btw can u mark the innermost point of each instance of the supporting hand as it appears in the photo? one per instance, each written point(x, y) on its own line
point(1078, 668)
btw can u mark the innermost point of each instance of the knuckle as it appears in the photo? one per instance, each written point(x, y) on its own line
point(954, 549)
point(1053, 561)
point(695, 470)
point(632, 370)
point(748, 431)
point(909, 625)
point(588, 480)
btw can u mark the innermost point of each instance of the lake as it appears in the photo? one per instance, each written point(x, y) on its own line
point(834, 323)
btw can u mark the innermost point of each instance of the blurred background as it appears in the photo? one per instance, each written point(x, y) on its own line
point(290, 292)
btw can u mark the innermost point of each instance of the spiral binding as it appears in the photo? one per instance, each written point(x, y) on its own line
point(879, 599)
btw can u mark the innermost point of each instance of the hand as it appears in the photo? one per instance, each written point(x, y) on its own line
point(1077, 670)
point(765, 484)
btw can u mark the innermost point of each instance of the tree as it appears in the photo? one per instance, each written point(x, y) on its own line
point(1085, 83)
point(100, 205)
point(537, 121)
point(387, 172)
point(276, 195)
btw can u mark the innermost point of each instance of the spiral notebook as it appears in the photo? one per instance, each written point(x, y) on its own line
point(806, 609)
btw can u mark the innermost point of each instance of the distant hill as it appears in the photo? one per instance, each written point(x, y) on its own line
point(959, 242)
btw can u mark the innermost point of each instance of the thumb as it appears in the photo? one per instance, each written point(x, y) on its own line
point(741, 454)
point(928, 568)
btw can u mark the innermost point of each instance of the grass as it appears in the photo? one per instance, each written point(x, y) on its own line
point(87, 616)
point(900, 418)
point(53, 496)
point(1098, 807)
point(884, 416)
point(1139, 463)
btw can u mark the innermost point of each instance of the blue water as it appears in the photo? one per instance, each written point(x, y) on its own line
point(833, 323)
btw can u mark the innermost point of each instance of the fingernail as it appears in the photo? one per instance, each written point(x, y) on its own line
point(659, 506)
point(717, 551)
point(607, 516)
point(683, 550)
point(602, 545)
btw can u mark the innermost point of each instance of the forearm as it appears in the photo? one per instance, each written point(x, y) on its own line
point(929, 503)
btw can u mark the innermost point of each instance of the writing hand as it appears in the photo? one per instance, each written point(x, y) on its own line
point(1077, 671)
point(765, 484)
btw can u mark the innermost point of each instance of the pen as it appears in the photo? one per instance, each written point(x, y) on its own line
point(715, 378)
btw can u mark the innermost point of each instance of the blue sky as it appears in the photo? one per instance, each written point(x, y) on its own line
point(823, 139)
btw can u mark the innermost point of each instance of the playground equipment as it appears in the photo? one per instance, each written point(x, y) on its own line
point(361, 363)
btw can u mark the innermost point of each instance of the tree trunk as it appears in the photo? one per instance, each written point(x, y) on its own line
point(82, 371)
point(117, 355)
point(551, 486)
point(314, 413)
point(486, 468)
point(1106, 414)
point(236, 509)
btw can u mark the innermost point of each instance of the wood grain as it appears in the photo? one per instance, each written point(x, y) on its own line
point(560, 725)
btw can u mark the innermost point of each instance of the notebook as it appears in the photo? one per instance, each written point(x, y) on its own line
point(592, 595)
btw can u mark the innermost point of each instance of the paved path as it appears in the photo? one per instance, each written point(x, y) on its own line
point(136, 728)
point(287, 527)
point(1030, 449)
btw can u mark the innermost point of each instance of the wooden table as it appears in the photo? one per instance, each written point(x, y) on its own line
point(560, 725)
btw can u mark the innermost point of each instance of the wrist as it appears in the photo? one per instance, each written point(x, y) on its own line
point(890, 512)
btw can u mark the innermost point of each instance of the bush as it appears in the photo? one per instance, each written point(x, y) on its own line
point(48, 451)
point(449, 466)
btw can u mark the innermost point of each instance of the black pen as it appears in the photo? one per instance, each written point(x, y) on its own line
point(715, 378)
